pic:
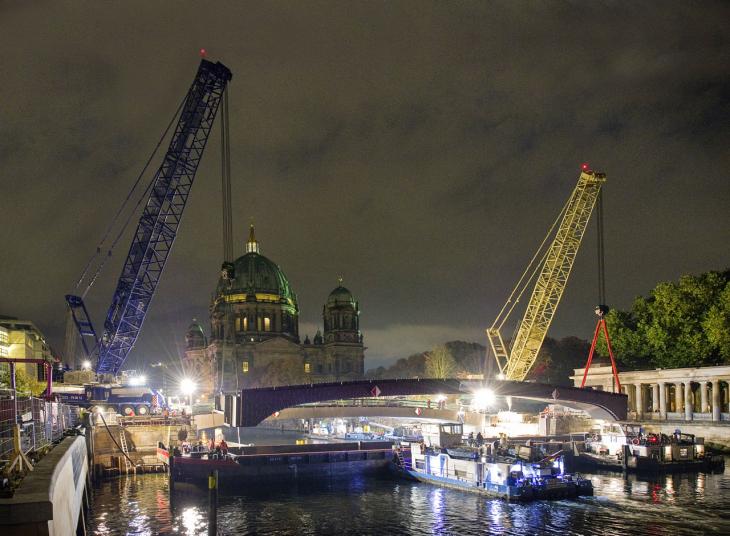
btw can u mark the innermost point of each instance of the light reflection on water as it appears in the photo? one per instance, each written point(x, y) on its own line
point(676, 504)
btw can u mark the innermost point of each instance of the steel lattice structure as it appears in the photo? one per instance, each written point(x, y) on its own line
point(550, 284)
point(158, 223)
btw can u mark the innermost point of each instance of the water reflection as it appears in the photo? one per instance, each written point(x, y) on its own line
point(673, 504)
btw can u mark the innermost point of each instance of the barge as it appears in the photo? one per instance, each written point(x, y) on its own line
point(626, 448)
point(514, 473)
point(255, 465)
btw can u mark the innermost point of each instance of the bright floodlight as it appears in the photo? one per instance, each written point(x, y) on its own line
point(440, 398)
point(483, 398)
point(501, 376)
point(86, 365)
point(137, 380)
point(187, 386)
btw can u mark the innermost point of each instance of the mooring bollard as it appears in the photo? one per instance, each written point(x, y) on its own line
point(213, 503)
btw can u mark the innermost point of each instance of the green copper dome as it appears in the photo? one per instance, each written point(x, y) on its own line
point(341, 296)
point(253, 277)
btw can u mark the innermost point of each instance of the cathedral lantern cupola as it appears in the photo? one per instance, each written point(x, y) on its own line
point(252, 245)
point(341, 315)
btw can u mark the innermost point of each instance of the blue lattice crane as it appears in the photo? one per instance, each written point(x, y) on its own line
point(166, 194)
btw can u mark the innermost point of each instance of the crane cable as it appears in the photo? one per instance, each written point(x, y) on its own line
point(601, 253)
point(523, 284)
point(226, 182)
point(121, 209)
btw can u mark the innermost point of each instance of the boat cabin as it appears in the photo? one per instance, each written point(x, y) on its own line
point(442, 435)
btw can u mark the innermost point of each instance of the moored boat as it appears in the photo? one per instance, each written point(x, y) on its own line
point(621, 447)
point(519, 473)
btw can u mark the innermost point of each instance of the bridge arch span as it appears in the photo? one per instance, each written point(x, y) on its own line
point(251, 406)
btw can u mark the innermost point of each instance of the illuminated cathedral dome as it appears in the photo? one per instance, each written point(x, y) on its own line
point(254, 300)
point(256, 277)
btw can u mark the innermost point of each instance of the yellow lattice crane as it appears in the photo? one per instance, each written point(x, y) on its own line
point(552, 266)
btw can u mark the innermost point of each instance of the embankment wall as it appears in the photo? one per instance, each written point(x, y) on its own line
point(49, 499)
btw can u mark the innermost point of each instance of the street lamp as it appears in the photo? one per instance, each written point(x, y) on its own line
point(187, 387)
point(86, 365)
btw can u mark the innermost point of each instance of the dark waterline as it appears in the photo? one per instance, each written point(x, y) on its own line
point(676, 504)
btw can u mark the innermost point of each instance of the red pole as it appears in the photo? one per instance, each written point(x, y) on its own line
point(610, 353)
point(590, 355)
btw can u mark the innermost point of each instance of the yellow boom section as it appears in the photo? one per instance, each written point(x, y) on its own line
point(554, 268)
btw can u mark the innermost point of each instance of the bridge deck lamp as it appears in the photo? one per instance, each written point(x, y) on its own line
point(483, 398)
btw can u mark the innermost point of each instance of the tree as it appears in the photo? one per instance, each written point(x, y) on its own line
point(24, 384)
point(440, 363)
point(558, 359)
point(682, 324)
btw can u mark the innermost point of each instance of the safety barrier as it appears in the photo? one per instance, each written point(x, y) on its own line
point(42, 423)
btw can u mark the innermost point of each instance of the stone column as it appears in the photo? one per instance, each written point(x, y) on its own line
point(655, 397)
point(689, 400)
point(678, 397)
point(703, 397)
point(716, 400)
point(639, 402)
point(663, 400)
point(629, 391)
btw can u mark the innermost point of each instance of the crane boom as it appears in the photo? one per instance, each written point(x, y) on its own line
point(158, 224)
point(557, 262)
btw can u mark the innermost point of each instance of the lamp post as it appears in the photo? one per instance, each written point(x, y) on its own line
point(187, 387)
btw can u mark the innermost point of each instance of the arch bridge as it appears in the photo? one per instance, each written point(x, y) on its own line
point(249, 407)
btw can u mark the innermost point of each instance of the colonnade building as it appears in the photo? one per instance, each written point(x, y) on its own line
point(688, 394)
point(254, 331)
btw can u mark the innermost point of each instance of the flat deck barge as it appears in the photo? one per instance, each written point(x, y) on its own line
point(245, 466)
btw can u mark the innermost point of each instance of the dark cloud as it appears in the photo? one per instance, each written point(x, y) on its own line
point(420, 149)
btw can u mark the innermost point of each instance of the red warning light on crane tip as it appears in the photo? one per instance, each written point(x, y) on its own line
point(584, 166)
point(203, 52)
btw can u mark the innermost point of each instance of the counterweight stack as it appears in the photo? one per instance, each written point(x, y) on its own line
point(552, 270)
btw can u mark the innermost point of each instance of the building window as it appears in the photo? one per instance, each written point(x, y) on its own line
point(245, 323)
point(3, 337)
point(245, 367)
point(258, 323)
point(307, 370)
point(267, 323)
point(238, 323)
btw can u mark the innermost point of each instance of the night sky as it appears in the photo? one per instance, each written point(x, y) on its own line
point(418, 149)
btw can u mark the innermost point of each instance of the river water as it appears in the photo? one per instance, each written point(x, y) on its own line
point(667, 505)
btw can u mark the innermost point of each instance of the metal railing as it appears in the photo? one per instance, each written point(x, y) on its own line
point(41, 423)
point(385, 402)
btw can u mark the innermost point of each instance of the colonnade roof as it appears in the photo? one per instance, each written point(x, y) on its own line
point(720, 372)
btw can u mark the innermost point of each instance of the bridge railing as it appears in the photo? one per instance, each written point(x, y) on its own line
point(385, 402)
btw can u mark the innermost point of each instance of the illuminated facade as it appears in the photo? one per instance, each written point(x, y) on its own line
point(254, 330)
point(21, 339)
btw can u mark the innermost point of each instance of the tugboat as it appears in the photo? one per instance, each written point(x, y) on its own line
point(520, 473)
point(617, 447)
